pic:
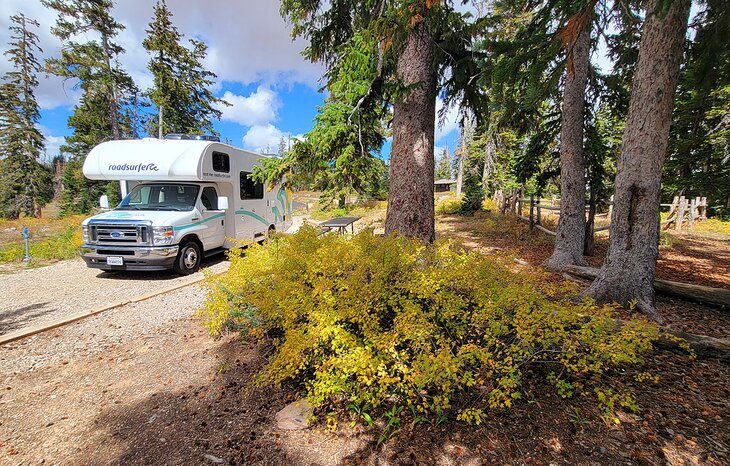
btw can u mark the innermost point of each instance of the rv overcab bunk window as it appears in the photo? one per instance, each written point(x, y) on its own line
point(221, 162)
point(250, 189)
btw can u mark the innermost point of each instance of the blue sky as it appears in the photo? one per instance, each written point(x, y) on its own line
point(274, 91)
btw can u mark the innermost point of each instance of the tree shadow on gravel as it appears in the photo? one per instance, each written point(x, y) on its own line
point(21, 317)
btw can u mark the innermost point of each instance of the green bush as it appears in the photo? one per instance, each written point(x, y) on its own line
point(379, 323)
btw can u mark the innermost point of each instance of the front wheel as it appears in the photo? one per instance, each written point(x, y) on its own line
point(188, 259)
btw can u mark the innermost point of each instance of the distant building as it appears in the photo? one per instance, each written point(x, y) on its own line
point(442, 186)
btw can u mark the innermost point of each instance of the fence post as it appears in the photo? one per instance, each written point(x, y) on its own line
point(680, 213)
point(539, 212)
point(692, 207)
point(532, 211)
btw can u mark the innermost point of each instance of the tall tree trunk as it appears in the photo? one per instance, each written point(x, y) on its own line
point(628, 270)
point(589, 242)
point(113, 104)
point(410, 200)
point(490, 154)
point(459, 171)
point(572, 224)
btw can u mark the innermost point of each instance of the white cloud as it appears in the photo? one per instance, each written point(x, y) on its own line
point(266, 138)
point(263, 138)
point(52, 143)
point(259, 108)
point(247, 42)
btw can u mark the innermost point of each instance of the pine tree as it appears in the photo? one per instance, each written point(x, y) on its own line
point(337, 155)
point(570, 234)
point(407, 70)
point(25, 184)
point(443, 167)
point(628, 271)
point(181, 86)
point(107, 91)
point(282, 147)
point(698, 161)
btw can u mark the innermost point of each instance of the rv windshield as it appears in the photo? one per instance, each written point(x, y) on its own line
point(160, 196)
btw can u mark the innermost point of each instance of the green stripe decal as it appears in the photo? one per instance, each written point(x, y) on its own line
point(190, 225)
point(253, 215)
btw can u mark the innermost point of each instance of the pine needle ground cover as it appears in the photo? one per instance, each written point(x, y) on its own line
point(390, 327)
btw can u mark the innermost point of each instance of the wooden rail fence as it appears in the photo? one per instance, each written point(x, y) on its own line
point(682, 211)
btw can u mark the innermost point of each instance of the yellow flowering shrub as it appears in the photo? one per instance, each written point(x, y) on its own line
point(376, 322)
point(448, 205)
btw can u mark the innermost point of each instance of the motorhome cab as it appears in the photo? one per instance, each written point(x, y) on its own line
point(186, 199)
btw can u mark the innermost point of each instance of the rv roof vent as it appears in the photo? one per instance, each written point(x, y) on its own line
point(193, 137)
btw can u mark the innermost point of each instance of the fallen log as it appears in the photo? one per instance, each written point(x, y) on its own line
point(703, 345)
point(697, 293)
point(678, 341)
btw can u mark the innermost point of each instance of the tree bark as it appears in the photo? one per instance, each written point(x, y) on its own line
point(459, 171)
point(490, 154)
point(410, 200)
point(628, 270)
point(113, 104)
point(572, 224)
point(589, 242)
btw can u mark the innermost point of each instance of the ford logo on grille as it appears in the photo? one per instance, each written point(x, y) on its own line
point(116, 234)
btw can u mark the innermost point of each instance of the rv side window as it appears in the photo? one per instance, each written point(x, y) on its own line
point(209, 198)
point(250, 189)
point(221, 162)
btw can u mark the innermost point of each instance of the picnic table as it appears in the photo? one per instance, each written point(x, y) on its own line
point(341, 223)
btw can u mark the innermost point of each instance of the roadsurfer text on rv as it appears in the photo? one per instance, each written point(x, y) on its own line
point(140, 167)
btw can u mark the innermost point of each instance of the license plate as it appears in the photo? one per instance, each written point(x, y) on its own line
point(114, 261)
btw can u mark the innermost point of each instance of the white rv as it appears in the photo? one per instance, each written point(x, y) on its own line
point(187, 199)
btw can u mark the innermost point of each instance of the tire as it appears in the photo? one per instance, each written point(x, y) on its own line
point(188, 258)
point(271, 232)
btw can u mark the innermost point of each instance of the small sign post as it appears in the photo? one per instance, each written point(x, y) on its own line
point(26, 235)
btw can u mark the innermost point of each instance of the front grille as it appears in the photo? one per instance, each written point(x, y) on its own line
point(130, 234)
point(114, 252)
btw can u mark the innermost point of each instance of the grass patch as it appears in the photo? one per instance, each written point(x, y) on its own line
point(713, 227)
point(50, 239)
point(360, 209)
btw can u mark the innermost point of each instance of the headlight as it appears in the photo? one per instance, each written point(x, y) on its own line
point(162, 235)
point(85, 233)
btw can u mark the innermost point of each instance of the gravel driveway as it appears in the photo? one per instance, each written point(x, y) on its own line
point(36, 296)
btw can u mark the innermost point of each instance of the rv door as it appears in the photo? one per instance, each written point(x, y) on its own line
point(213, 218)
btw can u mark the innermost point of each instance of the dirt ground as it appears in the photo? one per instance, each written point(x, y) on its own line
point(174, 394)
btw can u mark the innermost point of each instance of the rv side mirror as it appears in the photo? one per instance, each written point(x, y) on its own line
point(104, 201)
point(222, 203)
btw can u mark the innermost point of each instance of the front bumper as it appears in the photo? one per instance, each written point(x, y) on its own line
point(133, 257)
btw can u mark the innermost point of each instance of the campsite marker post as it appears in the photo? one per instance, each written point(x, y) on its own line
point(26, 235)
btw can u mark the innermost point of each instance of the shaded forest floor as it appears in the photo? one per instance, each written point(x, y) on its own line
point(176, 394)
point(682, 257)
